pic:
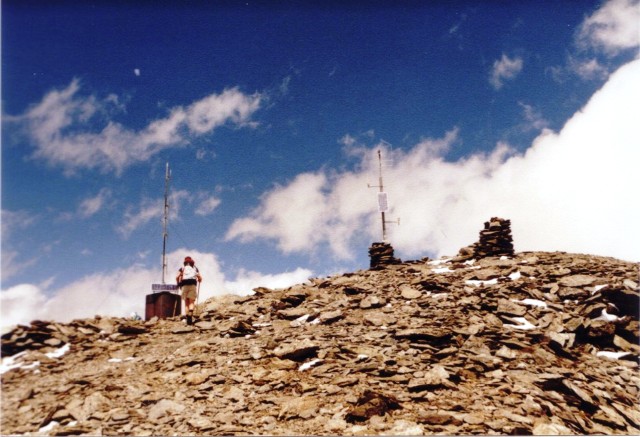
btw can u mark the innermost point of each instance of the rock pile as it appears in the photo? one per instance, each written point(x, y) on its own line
point(381, 254)
point(495, 240)
point(538, 343)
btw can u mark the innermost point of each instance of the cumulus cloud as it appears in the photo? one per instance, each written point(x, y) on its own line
point(505, 69)
point(21, 304)
point(121, 292)
point(246, 281)
point(572, 190)
point(612, 28)
point(288, 214)
point(610, 31)
point(75, 131)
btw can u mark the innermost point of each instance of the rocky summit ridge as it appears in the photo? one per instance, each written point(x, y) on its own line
point(533, 343)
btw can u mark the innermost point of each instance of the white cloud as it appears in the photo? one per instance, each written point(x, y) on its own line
point(589, 69)
point(21, 304)
point(14, 220)
point(505, 69)
point(13, 264)
point(284, 85)
point(533, 118)
point(90, 206)
point(151, 209)
point(612, 28)
point(246, 281)
point(572, 190)
point(76, 132)
point(13, 224)
point(289, 214)
point(120, 292)
point(206, 204)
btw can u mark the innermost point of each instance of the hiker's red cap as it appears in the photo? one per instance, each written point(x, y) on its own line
point(188, 259)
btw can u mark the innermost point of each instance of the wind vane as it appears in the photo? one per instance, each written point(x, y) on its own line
point(383, 205)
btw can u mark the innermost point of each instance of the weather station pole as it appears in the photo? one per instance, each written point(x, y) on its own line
point(383, 206)
point(165, 221)
point(382, 198)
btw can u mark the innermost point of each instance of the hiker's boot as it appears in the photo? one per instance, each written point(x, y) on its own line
point(189, 320)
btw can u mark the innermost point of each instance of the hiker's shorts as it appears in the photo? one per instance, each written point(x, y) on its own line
point(189, 292)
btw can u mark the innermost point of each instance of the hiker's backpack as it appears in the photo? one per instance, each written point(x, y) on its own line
point(189, 272)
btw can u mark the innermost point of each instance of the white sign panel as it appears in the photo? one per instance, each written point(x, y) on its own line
point(163, 287)
point(382, 202)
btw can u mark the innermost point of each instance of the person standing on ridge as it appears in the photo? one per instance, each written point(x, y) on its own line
point(188, 278)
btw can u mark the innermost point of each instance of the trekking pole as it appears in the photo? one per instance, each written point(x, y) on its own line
point(195, 310)
point(175, 306)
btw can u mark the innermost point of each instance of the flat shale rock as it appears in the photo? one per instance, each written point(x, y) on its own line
point(489, 342)
point(297, 351)
point(410, 292)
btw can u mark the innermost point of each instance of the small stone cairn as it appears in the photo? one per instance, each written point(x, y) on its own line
point(381, 254)
point(495, 240)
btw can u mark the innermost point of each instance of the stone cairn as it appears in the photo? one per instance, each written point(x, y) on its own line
point(381, 255)
point(495, 239)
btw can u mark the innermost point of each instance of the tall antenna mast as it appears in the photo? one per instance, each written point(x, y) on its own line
point(167, 176)
point(382, 199)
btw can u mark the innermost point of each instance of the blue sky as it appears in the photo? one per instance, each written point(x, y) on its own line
point(271, 115)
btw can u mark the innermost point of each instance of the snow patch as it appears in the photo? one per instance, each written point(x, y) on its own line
point(261, 325)
point(515, 276)
point(299, 321)
point(532, 302)
point(611, 355)
point(59, 352)
point(523, 324)
point(607, 317)
point(11, 362)
point(15, 362)
point(49, 426)
point(598, 288)
point(478, 283)
point(309, 364)
point(440, 295)
point(437, 262)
